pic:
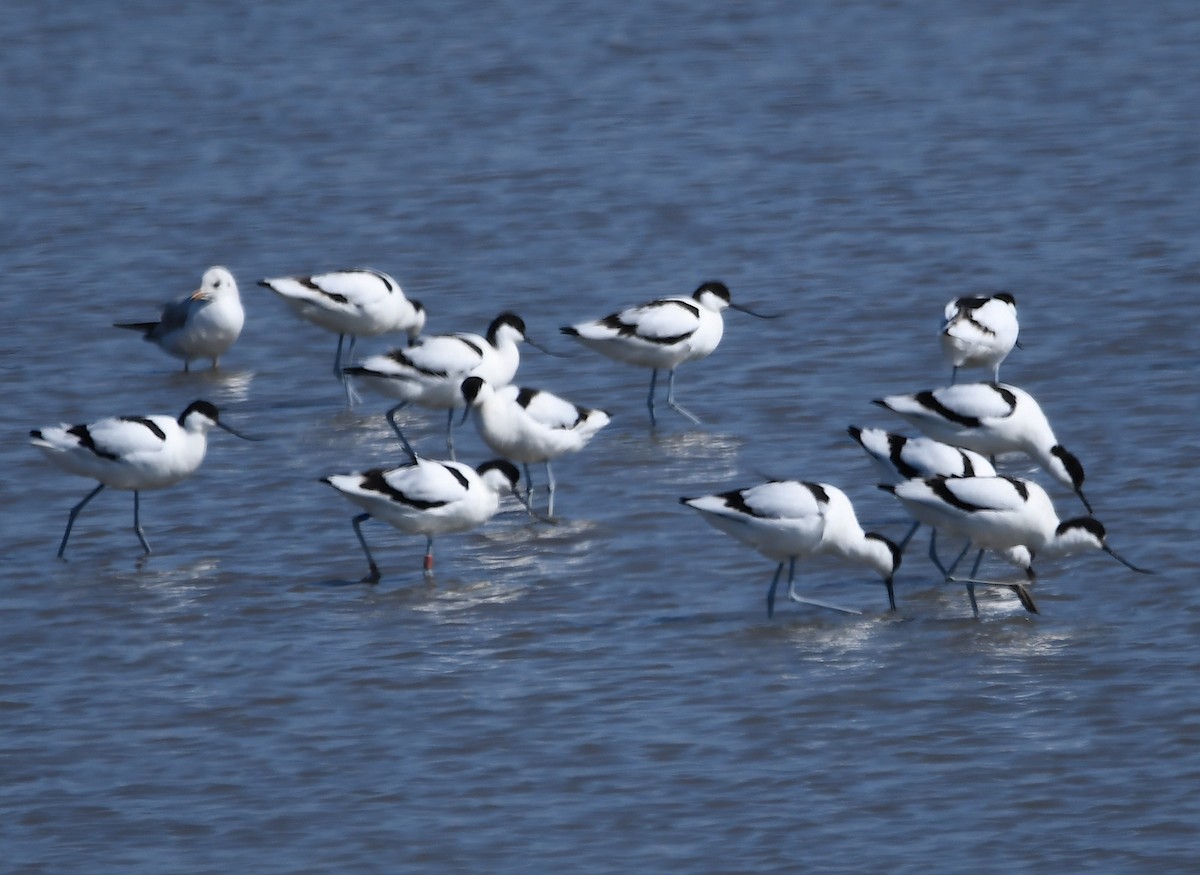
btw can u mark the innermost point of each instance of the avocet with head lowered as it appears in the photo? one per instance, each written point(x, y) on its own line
point(898, 458)
point(530, 425)
point(131, 452)
point(979, 331)
point(990, 418)
point(360, 303)
point(430, 373)
point(787, 520)
point(999, 513)
point(662, 335)
point(204, 325)
point(426, 497)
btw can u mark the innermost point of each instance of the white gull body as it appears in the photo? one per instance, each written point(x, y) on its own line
point(204, 325)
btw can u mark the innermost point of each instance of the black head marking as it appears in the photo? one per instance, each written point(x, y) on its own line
point(507, 468)
point(471, 388)
point(511, 319)
point(716, 288)
point(1072, 464)
point(1007, 297)
point(1087, 523)
point(204, 408)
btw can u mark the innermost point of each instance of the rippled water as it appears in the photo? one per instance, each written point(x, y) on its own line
point(605, 694)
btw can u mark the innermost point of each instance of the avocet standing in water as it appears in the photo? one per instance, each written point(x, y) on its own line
point(203, 325)
point(786, 520)
point(530, 425)
point(898, 458)
point(990, 418)
point(430, 373)
point(662, 335)
point(131, 452)
point(998, 513)
point(979, 332)
point(359, 303)
point(426, 497)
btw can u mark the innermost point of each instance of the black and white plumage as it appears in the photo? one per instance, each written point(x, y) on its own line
point(430, 373)
point(979, 332)
point(530, 425)
point(897, 458)
point(357, 303)
point(991, 418)
point(787, 520)
point(131, 452)
point(998, 513)
point(662, 335)
point(426, 497)
point(204, 325)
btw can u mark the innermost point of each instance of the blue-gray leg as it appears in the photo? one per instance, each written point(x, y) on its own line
point(373, 576)
point(71, 518)
point(771, 591)
point(391, 418)
point(671, 398)
point(137, 522)
point(650, 398)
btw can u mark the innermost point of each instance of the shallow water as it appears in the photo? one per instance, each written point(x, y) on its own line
point(606, 693)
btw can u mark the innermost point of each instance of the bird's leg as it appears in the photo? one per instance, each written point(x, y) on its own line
point(450, 433)
point(391, 418)
point(71, 518)
point(429, 556)
point(771, 591)
point(337, 359)
point(949, 577)
point(528, 488)
point(912, 531)
point(971, 586)
point(137, 523)
point(650, 398)
point(796, 597)
point(550, 482)
point(352, 396)
point(373, 575)
point(671, 398)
